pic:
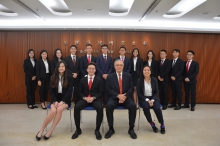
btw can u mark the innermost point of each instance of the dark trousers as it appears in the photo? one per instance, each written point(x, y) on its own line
point(97, 104)
point(45, 82)
point(156, 107)
point(190, 90)
point(128, 104)
point(76, 93)
point(30, 90)
point(163, 91)
point(105, 95)
point(176, 92)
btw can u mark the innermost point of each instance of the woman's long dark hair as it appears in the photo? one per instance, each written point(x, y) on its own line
point(28, 57)
point(55, 54)
point(55, 77)
point(132, 56)
point(142, 75)
point(42, 51)
point(153, 58)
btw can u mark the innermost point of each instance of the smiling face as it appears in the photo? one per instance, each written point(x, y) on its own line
point(150, 55)
point(119, 65)
point(73, 50)
point(89, 49)
point(147, 71)
point(122, 51)
point(175, 54)
point(31, 54)
point(61, 68)
point(58, 54)
point(135, 53)
point(91, 70)
point(44, 55)
point(104, 49)
point(163, 55)
point(189, 55)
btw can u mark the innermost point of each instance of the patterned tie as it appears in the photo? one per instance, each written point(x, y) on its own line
point(90, 85)
point(174, 61)
point(120, 83)
point(122, 59)
point(89, 59)
point(161, 63)
point(74, 61)
point(187, 66)
point(105, 59)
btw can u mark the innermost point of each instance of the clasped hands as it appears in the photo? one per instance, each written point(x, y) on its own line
point(122, 98)
point(89, 99)
point(57, 104)
point(151, 103)
point(161, 79)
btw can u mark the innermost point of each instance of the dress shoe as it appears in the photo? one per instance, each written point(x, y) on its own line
point(45, 137)
point(171, 106)
point(162, 131)
point(185, 106)
point(164, 107)
point(155, 129)
point(98, 135)
point(37, 138)
point(132, 134)
point(34, 106)
point(76, 134)
point(43, 107)
point(30, 107)
point(109, 133)
point(177, 108)
point(192, 108)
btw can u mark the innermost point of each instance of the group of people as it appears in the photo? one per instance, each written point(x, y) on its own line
point(129, 82)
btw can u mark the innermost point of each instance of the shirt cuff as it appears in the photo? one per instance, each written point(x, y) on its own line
point(152, 100)
point(146, 99)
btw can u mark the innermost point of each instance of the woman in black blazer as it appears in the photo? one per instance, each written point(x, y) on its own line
point(147, 89)
point(43, 76)
point(57, 56)
point(61, 86)
point(30, 78)
point(136, 68)
point(150, 61)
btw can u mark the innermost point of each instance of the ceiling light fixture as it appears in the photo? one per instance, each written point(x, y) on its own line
point(120, 7)
point(4, 11)
point(183, 7)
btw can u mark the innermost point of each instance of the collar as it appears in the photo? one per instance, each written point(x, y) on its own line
point(90, 77)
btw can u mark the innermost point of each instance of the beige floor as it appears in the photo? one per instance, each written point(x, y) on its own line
point(19, 125)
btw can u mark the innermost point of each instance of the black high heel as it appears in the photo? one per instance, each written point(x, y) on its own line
point(43, 107)
point(45, 137)
point(38, 138)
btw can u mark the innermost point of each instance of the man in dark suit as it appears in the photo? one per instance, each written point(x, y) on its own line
point(72, 62)
point(86, 59)
point(120, 89)
point(163, 78)
point(191, 70)
point(90, 92)
point(104, 67)
point(176, 79)
point(126, 60)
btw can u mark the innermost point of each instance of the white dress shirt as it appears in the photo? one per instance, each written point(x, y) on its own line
point(46, 65)
point(32, 61)
point(60, 84)
point(147, 89)
point(135, 62)
point(118, 75)
point(149, 63)
point(174, 61)
point(90, 77)
point(190, 61)
point(104, 56)
point(73, 56)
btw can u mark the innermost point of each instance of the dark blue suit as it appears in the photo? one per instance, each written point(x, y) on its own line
point(84, 63)
point(127, 65)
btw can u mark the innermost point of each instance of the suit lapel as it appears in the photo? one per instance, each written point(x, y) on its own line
point(116, 82)
point(94, 83)
point(123, 82)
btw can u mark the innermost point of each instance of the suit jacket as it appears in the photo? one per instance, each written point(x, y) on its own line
point(66, 92)
point(41, 69)
point(112, 86)
point(83, 64)
point(127, 64)
point(96, 90)
point(53, 66)
point(177, 69)
point(29, 70)
point(192, 73)
point(154, 67)
point(164, 70)
point(102, 67)
point(139, 66)
point(141, 89)
point(71, 68)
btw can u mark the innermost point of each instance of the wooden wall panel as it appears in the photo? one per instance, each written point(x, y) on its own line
point(14, 46)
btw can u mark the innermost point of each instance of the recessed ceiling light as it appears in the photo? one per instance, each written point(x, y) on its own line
point(217, 17)
point(4, 11)
point(89, 9)
point(182, 8)
point(120, 7)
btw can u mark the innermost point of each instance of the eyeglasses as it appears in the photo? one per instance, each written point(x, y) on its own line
point(189, 54)
point(119, 65)
point(91, 68)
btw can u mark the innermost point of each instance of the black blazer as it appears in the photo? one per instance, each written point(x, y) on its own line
point(96, 90)
point(164, 70)
point(141, 89)
point(177, 69)
point(154, 67)
point(139, 66)
point(83, 64)
point(41, 69)
point(29, 70)
point(192, 73)
point(53, 66)
point(127, 64)
point(112, 86)
point(66, 92)
point(71, 68)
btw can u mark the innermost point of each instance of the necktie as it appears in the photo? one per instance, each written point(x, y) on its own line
point(89, 59)
point(161, 63)
point(74, 61)
point(105, 59)
point(174, 61)
point(120, 83)
point(122, 59)
point(90, 85)
point(187, 66)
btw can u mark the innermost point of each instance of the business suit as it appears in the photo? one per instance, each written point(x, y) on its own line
point(83, 64)
point(112, 85)
point(65, 95)
point(153, 66)
point(190, 87)
point(44, 78)
point(30, 71)
point(95, 91)
point(177, 72)
point(104, 68)
point(53, 66)
point(136, 74)
point(163, 72)
point(144, 104)
point(127, 64)
point(74, 69)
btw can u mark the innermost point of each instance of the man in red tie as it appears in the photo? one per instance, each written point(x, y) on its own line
point(90, 93)
point(191, 70)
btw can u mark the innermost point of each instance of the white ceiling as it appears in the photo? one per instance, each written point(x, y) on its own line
point(199, 19)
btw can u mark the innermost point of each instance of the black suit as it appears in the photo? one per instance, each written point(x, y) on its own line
point(65, 95)
point(30, 71)
point(163, 72)
point(74, 69)
point(53, 66)
point(177, 72)
point(97, 92)
point(84, 63)
point(44, 78)
point(190, 87)
point(144, 104)
point(153, 66)
point(112, 86)
point(136, 74)
point(127, 64)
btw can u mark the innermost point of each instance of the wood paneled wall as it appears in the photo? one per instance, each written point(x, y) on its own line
point(14, 46)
